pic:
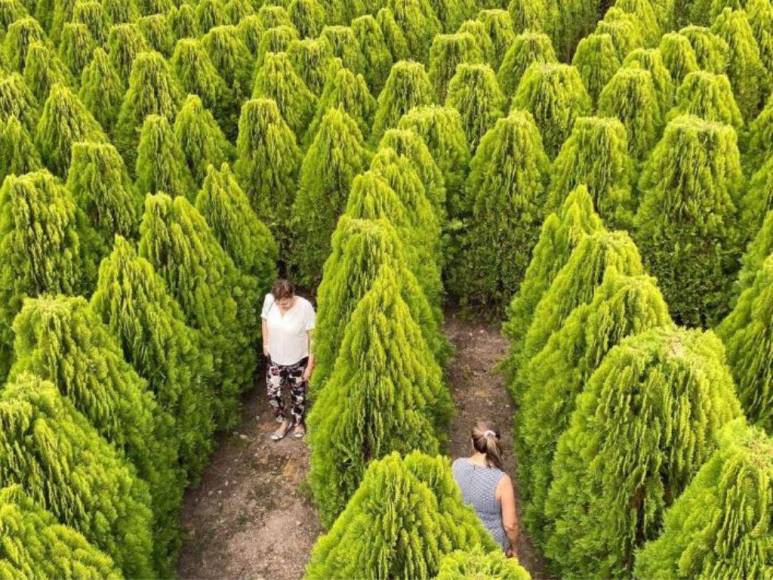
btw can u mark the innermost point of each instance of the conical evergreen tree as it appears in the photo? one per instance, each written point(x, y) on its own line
point(35, 544)
point(719, 526)
point(310, 59)
point(475, 93)
point(210, 13)
point(759, 137)
point(18, 38)
point(411, 512)
point(555, 96)
point(452, 13)
point(43, 70)
point(235, 10)
point(124, 43)
point(385, 394)
point(622, 306)
point(308, 17)
point(686, 221)
point(760, 16)
point(183, 21)
point(267, 165)
point(63, 122)
point(375, 51)
point(18, 154)
point(120, 11)
point(11, 11)
point(333, 159)
point(407, 86)
point(645, 13)
point(478, 31)
point(153, 90)
point(630, 96)
point(343, 44)
point(596, 60)
point(93, 15)
point(756, 252)
point(481, 565)
point(505, 193)
point(759, 197)
point(532, 15)
point(251, 30)
point(76, 47)
point(711, 51)
point(231, 58)
point(625, 29)
point(102, 89)
point(202, 141)
point(709, 97)
point(161, 163)
point(419, 25)
point(276, 39)
point(156, 30)
point(596, 155)
point(60, 339)
point(273, 15)
point(52, 452)
point(133, 302)
point(393, 34)
point(17, 100)
point(678, 56)
point(573, 20)
point(526, 49)
point(276, 79)
point(650, 60)
point(447, 52)
point(499, 27)
point(647, 420)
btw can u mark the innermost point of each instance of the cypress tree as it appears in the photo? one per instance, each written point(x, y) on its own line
point(102, 89)
point(17, 100)
point(419, 25)
point(759, 196)
point(161, 163)
point(630, 96)
point(452, 13)
point(532, 15)
point(650, 60)
point(158, 33)
point(124, 43)
point(343, 44)
point(709, 97)
point(446, 53)
point(101, 187)
point(478, 31)
point(251, 30)
point(559, 235)
point(756, 252)
point(360, 249)
point(59, 460)
point(710, 50)
point(393, 35)
point(60, 339)
point(276, 39)
point(760, 16)
point(267, 165)
point(76, 47)
point(43, 69)
point(678, 56)
point(10, 12)
point(63, 122)
point(385, 394)
point(153, 90)
point(210, 13)
point(273, 15)
point(310, 59)
point(61, 14)
point(441, 130)
point(475, 93)
point(231, 58)
point(747, 336)
point(646, 17)
point(625, 29)
point(506, 194)
point(622, 306)
point(719, 527)
point(18, 154)
point(647, 420)
point(18, 38)
point(92, 14)
point(133, 302)
point(596, 61)
point(276, 79)
point(596, 155)
point(481, 565)
point(202, 141)
point(759, 137)
point(421, 513)
point(35, 544)
point(377, 58)
point(120, 11)
point(183, 21)
point(499, 28)
point(744, 66)
point(573, 20)
point(407, 86)
point(307, 16)
point(235, 10)
point(686, 221)
point(555, 96)
point(177, 241)
point(335, 156)
point(526, 49)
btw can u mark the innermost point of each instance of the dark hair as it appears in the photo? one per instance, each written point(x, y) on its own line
point(282, 289)
point(485, 439)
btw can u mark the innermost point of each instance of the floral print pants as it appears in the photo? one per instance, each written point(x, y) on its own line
point(279, 377)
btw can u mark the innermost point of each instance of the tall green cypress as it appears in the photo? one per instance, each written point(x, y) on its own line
point(526, 49)
point(393, 34)
point(678, 56)
point(720, 526)
point(11, 11)
point(506, 193)
point(475, 93)
point(210, 13)
point(477, 29)
point(343, 44)
point(648, 419)
point(251, 31)
point(63, 122)
point(760, 16)
point(35, 544)
point(759, 197)
point(650, 60)
point(183, 22)
point(758, 249)
point(482, 565)
point(446, 53)
point(44, 69)
point(419, 25)
point(631, 97)
point(65, 467)
point(93, 15)
point(573, 20)
point(760, 135)
point(385, 394)
point(18, 38)
point(17, 100)
point(202, 142)
point(310, 58)
point(273, 15)
point(596, 60)
point(626, 30)
point(334, 157)
point(451, 13)
point(646, 17)
point(555, 96)
point(709, 97)
point(161, 163)
point(18, 154)
point(686, 221)
point(76, 47)
point(124, 43)
point(235, 10)
point(276, 39)
point(499, 27)
point(596, 155)
point(711, 50)
point(308, 17)
point(158, 33)
point(533, 15)
point(407, 86)
point(120, 11)
point(375, 51)
point(231, 58)
point(102, 89)
point(622, 306)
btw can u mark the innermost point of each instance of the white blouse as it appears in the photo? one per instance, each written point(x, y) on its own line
point(288, 340)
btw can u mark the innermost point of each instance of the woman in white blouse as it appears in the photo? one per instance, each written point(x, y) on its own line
point(288, 322)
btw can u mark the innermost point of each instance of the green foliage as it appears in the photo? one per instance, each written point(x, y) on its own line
point(377, 58)
point(709, 97)
point(237, 9)
point(526, 49)
point(43, 70)
point(393, 34)
point(202, 141)
point(276, 39)
point(475, 93)
point(678, 56)
point(310, 58)
point(622, 306)
point(409, 502)
point(756, 252)
point(120, 11)
point(18, 38)
point(251, 31)
point(710, 50)
point(271, 16)
point(407, 86)
point(124, 43)
point(452, 13)
point(343, 44)
point(183, 21)
point(505, 195)
point(650, 60)
point(161, 163)
point(480, 565)
point(334, 157)
point(759, 196)
point(574, 20)
point(555, 96)
point(17, 100)
point(596, 155)
point(477, 29)
point(231, 58)
point(418, 23)
point(645, 423)
point(532, 15)
point(625, 29)
point(18, 154)
point(760, 16)
point(307, 16)
point(686, 222)
point(758, 141)
point(93, 15)
point(76, 47)
point(101, 89)
point(446, 53)
point(158, 33)
point(385, 394)
point(63, 465)
point(645, 16)
point(499, 28)
point(210, 13)
point(720, 526)
point(596, 60)
point(35, 544)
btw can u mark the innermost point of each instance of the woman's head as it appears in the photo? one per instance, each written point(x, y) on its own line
point(283, 293)
point(485, 439)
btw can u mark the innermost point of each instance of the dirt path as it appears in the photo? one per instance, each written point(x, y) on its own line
point(480, 394)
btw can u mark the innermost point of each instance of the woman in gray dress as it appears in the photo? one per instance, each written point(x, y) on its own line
point(487, 488)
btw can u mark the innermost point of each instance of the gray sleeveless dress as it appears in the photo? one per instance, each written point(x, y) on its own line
point(478, 485)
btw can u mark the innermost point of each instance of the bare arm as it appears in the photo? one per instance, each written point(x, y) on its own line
point(264, 328)
point(310, 365)
point(506, 496)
